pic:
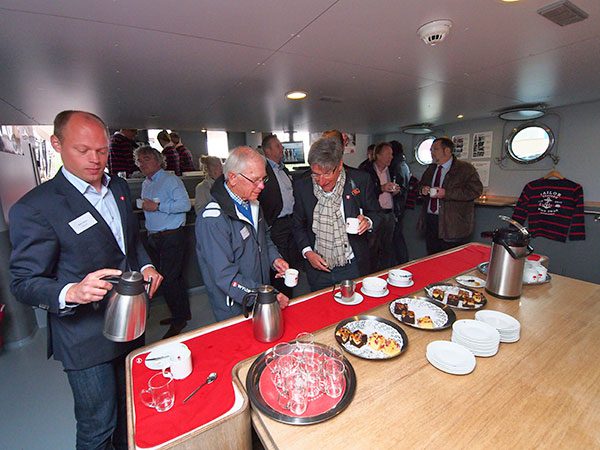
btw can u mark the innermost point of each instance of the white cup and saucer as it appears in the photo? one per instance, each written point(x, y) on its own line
point(400, 278)
point(433, 192)
point(374, 287)
point(174, 360)
point(352, 225)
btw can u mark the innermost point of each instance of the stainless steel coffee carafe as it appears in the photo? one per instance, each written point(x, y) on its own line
point(267, 320)
point(125, 315)
point(510, 248)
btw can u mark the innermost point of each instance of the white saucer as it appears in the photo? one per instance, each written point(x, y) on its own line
point(371, 294)
point(356, 299)
point(412, 282)
point(470, 281)
point(450, 357)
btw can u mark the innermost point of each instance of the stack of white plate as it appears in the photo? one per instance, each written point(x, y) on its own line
point(450, 357)
point(508, 327)
point(479, 337)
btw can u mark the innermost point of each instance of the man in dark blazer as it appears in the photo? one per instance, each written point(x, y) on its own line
point(325, 197)
point(448, 215)
point(67, 234)
point(277, 203)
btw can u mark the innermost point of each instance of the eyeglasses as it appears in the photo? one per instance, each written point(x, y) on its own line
point(255, 182)
point(330, 174)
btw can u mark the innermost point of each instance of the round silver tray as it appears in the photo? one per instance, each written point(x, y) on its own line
point(483, 268)
point(252, 387)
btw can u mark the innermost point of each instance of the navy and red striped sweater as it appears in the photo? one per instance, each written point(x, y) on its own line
point(554, 209)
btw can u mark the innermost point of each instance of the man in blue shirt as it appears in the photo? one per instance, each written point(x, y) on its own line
point(165, 203)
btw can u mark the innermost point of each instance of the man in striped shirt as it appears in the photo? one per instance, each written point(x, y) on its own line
point(186, 161)
point(120, 152)
point(170, 155)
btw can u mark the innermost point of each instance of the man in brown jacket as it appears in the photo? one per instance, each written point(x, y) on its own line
point(452, 185)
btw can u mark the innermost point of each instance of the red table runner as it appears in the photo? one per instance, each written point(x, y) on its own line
point(220, 350)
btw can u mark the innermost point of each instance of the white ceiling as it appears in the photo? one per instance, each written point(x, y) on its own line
point(188, 64)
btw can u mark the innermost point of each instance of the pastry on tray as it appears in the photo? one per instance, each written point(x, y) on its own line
point(399, 307)
point(344, 334)
point(425, 322)
point(468, 302)
point(358, 338)
point(438, 294)
point(453, 300)
point(477, 297)
point(391, 347)
point(377, 341)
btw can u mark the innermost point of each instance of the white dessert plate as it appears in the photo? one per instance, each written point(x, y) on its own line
point(470, 281)
point(356, 299)
point(412, 282)
point(450, 357)
point(374, 294)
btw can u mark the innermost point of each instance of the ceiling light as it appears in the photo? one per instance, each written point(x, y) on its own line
point(252, 131)
point(433, 33)
point(203, 130)
point(296, 95)
point(423, 128)
point(523, 113)
point(460, 116)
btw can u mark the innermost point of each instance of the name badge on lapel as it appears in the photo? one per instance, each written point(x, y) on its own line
point(82, 223)
point(245, 233)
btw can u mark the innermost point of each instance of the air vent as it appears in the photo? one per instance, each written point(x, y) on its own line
point(330, 99)
point(563, 13)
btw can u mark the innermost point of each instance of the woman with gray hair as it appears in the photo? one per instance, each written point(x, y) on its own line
point(334, 207)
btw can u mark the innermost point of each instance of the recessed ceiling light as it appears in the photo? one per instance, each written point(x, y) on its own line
point(460, 116)
point(423, 128)
point(296, 95)
point(203, 130)
point(523, 113)
point(252, 131)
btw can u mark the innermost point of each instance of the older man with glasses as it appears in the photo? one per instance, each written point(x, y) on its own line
point(325, 198)
point(233, 246)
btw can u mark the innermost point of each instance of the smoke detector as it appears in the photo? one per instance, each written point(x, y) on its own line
point(433, 33)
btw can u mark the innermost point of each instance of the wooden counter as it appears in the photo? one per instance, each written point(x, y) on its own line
point(542, 391)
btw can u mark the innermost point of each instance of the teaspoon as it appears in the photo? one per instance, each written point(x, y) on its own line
point(212, 377)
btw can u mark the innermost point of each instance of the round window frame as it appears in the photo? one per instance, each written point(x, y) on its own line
point(509, 140)
point(416, 149)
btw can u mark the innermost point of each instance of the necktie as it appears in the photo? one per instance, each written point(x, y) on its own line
point(433, 202)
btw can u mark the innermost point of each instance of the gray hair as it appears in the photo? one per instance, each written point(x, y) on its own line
point(239, 158)
point(210, 161)
point(148, 150)
point(326, 152)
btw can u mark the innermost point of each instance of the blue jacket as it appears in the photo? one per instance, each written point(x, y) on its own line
point(234, 257)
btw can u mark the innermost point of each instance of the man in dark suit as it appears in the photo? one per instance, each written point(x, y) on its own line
point(67, 234)
point(277, 203)
point(325, 198)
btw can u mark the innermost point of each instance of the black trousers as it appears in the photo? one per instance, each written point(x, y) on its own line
point(317, 279)
point(434, 243)
point(400, 247)
point(281, 235)
point(381, 244)
point(167, 252)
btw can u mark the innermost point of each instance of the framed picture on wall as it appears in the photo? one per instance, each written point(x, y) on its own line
point(461, 145)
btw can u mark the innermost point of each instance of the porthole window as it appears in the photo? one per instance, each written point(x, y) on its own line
point(529, 142)
point(423, 151)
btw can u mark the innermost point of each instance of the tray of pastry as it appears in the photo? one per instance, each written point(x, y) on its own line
point(456, 296)
point(371, 337)
point(422, 313)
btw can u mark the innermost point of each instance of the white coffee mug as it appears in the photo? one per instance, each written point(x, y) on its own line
point(352, 224)
point(433, 191)
point(180, 362)
point(291, 277)
point(139, 202)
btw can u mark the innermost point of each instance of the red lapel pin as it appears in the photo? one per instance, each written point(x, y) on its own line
point(122, 198)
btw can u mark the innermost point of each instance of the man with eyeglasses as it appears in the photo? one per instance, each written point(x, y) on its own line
point(325, 199)
point(233, 245)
